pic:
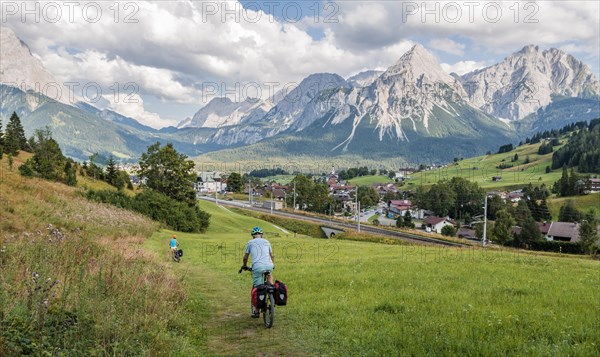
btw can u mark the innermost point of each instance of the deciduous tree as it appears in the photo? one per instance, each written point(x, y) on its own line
point(502, 230)
point(169, 172)
point(367, 196)
point(234, 182)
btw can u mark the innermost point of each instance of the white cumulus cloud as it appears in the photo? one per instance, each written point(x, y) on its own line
point(448, 46)
point(462, 67)
point(173, 49)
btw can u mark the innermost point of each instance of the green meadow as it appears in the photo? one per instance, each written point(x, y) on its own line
point(583, 203)
point(359, 298)
point(482, 169)
point(369, 180)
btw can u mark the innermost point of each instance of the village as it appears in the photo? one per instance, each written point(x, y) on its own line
point(394, 204)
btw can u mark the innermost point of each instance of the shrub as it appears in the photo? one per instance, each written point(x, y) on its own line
point(174, 214)
point(114, 198)
point(556, 246)
point(177, 215)
point(26, 170)
point(449, 231)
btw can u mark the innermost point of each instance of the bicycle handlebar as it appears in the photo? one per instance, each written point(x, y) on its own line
point(244, 268)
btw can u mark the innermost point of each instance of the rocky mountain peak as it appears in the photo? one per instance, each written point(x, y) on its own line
point(20, 68)
point(364, 79)
point(527, 80)
point(418, 63)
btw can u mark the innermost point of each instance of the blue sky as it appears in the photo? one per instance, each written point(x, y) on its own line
point(177, 52)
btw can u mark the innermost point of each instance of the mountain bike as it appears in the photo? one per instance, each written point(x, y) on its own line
point(268, 311)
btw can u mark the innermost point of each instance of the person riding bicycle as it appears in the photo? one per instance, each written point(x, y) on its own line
point(262, 259)
point(174, 244)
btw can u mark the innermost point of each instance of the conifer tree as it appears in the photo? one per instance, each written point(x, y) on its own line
point(569, 213)
point(544, 211)
point(408, 223)
point(70, 174)
point(48, 160)
point(588, 232)
point(14, 139)
point(564, 182)
point(111, 171)
point(529, 231)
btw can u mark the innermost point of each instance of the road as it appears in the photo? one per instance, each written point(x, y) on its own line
point(413, 238)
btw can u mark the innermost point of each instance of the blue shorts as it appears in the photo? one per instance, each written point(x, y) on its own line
point(257, 274)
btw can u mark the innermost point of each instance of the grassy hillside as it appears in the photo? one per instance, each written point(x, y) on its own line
point(280, 179)
point(408, 300)
point(482, 169)
point(74, 279)
point(583, 203)
point(369, 180)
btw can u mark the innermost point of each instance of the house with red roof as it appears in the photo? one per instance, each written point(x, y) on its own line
point(435, 224)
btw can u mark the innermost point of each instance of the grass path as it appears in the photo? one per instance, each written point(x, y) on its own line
point(219, 297)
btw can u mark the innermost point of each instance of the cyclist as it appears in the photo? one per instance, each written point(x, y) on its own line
point(173, 243)
point(262, 259)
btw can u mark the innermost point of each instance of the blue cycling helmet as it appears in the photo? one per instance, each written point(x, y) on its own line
point(256, 230)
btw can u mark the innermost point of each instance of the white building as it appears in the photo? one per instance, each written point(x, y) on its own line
point(436, 224)
point(207, 182)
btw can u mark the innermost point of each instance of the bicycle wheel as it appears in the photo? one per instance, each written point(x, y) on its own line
point(269, 311)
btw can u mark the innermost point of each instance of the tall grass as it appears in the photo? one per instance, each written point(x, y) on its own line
point(74, 279)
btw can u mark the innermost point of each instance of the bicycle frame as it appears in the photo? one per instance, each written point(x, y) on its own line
point(269, 310)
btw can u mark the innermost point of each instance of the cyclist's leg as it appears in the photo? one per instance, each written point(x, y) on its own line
point(253, 309)
point(257, 276)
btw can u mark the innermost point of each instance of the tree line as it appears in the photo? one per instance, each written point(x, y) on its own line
point(111, 174)
point(572, 184)
point(456, 198)
point(555, 133)
point(262, 173)
point(355, 172)
point(582, 150)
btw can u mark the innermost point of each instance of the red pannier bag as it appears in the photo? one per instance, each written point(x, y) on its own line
point(281, 293)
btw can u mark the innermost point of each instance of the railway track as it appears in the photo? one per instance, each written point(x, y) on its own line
point(413, 238)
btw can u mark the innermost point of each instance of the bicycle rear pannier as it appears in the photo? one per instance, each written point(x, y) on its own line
point(281, 293)
point(259, 296)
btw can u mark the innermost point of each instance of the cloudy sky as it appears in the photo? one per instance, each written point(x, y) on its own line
point(170, 57)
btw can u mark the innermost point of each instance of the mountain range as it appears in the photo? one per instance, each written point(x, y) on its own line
point(412, 112)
